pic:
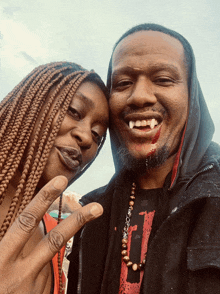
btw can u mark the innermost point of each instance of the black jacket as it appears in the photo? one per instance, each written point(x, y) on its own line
point(184, 254)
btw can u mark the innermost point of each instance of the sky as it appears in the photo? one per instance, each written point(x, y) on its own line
point(35, 32)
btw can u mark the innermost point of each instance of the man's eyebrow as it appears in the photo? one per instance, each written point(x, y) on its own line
point(152, 68)
point(161, 66)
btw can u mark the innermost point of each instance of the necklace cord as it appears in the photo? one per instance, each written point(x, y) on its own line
point(125, 232)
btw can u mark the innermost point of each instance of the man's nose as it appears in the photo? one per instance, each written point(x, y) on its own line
point(83, 137)
point(142, 94)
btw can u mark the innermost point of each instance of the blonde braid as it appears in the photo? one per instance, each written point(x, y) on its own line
point(18, 115)
point(22, 140)
point(19, 111)
point(37, 165)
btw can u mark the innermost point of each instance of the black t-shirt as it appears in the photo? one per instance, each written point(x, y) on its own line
point(150, 209)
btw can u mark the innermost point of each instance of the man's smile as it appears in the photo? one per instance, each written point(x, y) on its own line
point(143, 125)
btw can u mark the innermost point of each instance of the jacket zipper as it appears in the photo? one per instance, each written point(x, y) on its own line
point(208, 167)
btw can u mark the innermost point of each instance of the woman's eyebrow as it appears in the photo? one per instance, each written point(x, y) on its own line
point(91, 105)
point(85, 100)
point(104, 122)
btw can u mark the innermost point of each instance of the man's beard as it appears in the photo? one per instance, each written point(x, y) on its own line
point(142, 165)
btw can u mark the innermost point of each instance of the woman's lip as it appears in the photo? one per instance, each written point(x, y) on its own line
point(73, 161)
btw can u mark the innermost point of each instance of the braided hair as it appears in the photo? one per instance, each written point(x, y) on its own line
point(19, 111)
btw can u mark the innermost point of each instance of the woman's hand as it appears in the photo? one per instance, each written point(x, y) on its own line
point(19, 274)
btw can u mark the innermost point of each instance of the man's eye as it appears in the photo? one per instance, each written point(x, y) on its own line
point(164, 81)
point(121, 85)
point(97, 137)
point(74, 113)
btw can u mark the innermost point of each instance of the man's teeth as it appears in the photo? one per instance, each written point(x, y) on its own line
point(131, 124)
point(152, 123)
point(138, 123)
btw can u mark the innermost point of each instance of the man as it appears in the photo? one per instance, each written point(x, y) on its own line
point(159, 232)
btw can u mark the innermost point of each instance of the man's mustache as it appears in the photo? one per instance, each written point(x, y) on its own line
point(140, 110)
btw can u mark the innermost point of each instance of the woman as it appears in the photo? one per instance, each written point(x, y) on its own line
point(53, 123)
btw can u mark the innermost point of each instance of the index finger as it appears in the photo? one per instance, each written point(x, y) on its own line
point(58, 236)
point(26, 223)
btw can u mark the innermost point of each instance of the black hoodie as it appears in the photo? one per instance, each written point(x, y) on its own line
point(184, 254)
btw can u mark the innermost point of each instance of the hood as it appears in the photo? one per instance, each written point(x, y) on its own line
point(198, 130)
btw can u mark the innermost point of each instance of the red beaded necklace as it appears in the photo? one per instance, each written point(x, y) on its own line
point(124, 251)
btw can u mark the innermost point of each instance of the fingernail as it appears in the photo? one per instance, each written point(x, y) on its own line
point(60, 183)
point(96, 210)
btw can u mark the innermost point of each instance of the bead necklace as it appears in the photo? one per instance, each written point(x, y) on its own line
point(124, 251)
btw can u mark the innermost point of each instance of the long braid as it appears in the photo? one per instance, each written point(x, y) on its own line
point(20, 186)
point(33, 178)
point(19, 122)
point(23, 138)
point(21, 109)
point(19, 112)
point(29, 121)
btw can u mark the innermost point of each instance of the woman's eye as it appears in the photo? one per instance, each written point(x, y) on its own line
point(74, 113)
point(97, 137)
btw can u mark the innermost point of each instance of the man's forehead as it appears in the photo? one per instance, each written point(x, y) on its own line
point(148, 42)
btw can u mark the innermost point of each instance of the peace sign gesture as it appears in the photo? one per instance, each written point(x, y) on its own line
point(21, 273)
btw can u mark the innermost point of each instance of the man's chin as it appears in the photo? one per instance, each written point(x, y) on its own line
point(143, 164)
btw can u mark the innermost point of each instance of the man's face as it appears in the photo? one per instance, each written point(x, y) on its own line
point(149, 93)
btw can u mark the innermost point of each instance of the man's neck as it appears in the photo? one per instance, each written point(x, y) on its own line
point(155, 178)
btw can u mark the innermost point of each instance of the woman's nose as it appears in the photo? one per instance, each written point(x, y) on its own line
point(83, 137)
point(142, 95)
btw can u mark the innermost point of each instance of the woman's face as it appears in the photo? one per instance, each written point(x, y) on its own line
point(80, 133)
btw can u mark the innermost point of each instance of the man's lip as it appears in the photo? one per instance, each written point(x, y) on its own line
point(70, 157)
point(143, 116)
point(146, 134)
